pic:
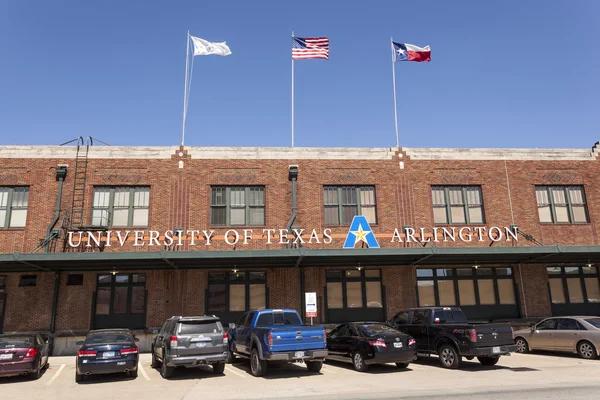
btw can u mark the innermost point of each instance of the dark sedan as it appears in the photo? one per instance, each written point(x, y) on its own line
point(23, 354)
point(366, 343)
point(107, 351)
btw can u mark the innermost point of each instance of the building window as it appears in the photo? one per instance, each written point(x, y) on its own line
point(465, 287)
point(74, 279)
point(237, 206)
point(236, 291)
point(13, 206)
point(342, 203)
point(457, 205)
point(28, 280)
point(354, 289)
point(574, 285)
point(2, 284)
point(124, 206)
point(561, 204)
point(120, 295)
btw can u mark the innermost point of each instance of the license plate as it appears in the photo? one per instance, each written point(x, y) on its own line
point(496, 350)
point(6, 356)
point(299, 354)
point(108, 354)
point(398, 344)
point(200, 344)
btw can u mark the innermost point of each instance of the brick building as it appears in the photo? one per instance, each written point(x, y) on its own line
point(101, 236)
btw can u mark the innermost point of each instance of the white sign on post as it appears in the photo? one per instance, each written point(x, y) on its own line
point(311, 305)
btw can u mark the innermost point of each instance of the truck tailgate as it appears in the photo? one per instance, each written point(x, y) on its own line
point(493, 334)
point(298, 337)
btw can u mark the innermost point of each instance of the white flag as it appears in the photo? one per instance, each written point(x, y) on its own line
point(203, 47)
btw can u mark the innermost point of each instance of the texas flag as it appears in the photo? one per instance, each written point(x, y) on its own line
point(410, 52)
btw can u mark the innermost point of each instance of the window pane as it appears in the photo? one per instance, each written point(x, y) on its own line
point(217, 215)
point(354, 294)
point(446, 293)
point(572, 270)
point(2, 218)
point(217, 298)
point(104, 278)
point(101, 197)
point(257, 216)
point(455, 196)
point(593, 290)
point(541, 195)
point(466, 293)
point(141, 197)
point(139, 278)
point(589, 270)
point(348, 212)
point(575, 292)
point(237, 298)
point(437, 195)
point(504, 271)
point(487, 294)
point(349, 196)
point(473, 196)
point(442, 272)
point(237, 276)
point(238, 216)
point(120, 217)
point(476, 215)
point(545, 213)
point(102, 301)
point(352, 273)
point(558, 195)
point(484, 271)
point(330, 195)
point(464, 272)
point(218, 196)
point(372, 273)
point(334, 295)
point(257, 296)
point(426, 293)
point(457, 214)
point(331, 215)
point(140, 217)
point(506, 291)
point(373, 294)
point(257, 276)
point(238, 197)
point(553, 270)
point(367, 196)
point(579, 214)
point(216, 276)
point(562, 213)
point(121, 197)
point(557, 292)
point(138, 295)
point(120, 300)
point(576, 195)
point(122, 278)
point(18, 218)
point(99, 217)
point(256, 196)
point(369, 213)
point(439, 215)
point(424, 273)
point(3, 197)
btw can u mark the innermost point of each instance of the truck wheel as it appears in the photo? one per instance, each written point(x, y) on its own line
point(489, 360)
point(358, 361)
point(449, 357)
point(402, 365)
point(522, 346)
point(219, 367)
point(314, 366)
point(165, 371)
point(257, 366)
point(586, 350)
point(155, 362)
point(230, 356)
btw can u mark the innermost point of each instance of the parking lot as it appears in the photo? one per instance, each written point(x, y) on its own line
point(425, 378)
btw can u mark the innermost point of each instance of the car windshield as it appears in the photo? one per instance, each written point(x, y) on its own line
point(377, 329)
point(11, 342)
point(103, 338)
point(193, 327)
point(595, 322)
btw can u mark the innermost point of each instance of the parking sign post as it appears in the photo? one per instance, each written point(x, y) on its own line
point(310, 298)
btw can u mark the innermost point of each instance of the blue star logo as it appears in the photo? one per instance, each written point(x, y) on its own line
point(360, 231)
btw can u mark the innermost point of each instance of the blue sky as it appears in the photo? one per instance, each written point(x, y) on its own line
point(503, 74)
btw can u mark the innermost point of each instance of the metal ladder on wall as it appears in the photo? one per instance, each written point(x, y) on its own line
point(79, 181)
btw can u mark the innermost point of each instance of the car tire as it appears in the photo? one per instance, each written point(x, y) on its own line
point(133, 374)
point(155, 363)
point(219, 368)
point(38, 372)
point(314, 366)
point(522, 345)
point(489, 361)
point(449, 357)
point(402, 365)
point(586, 350)
point(358, 361)
point(166, 371)
point(258, 367)
point(79, 378)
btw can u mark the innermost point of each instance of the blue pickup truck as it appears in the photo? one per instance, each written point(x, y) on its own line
point(266, 336)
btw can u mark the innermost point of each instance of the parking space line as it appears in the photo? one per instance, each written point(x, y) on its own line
point(62, 366)
point(143, 371)
point(328, 370)
point(233, 371)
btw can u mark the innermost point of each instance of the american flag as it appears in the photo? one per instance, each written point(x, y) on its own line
point(303, 48)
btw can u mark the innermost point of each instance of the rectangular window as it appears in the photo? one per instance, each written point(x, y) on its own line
point(506, 291)
point(257, 296)
point(75, 279)
point(486, 292)
point(342, 203)
point(122, 206)
point(374, 294)
point(217, 300)
point(557, 291)
point(575, 291)
point(120, 294)
point(561, 204)
point(237, 206)
point(354, 288)
point(2, 284)
point(236, 291)
point(575, 279)
point(466, 292)
point(457, 205)
point(103, 301)
point(593, 290)
point(354, 294)
point(28, 280)
point(335, 299)
point(426, 293)
point(13, 206)
point(237, 298)
point(446, 293)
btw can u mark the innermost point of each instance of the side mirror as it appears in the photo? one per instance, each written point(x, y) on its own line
point(137, 340)
point(231, 325)
point(533, 328)
point(79, 343)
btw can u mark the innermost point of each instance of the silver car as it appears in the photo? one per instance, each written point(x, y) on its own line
point(571, 334)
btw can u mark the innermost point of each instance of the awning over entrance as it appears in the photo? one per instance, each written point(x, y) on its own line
point(101, 261)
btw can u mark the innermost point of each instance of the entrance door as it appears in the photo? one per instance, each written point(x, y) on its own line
point(354, 295)
point(120, 301)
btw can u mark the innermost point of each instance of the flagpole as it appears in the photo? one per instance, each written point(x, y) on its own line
point(292, 96)
point(185, 87)
point(394, 83)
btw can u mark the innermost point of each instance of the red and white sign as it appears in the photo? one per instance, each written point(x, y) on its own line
point(310, 299)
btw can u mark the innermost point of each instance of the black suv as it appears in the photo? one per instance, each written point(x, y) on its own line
point(190, 342)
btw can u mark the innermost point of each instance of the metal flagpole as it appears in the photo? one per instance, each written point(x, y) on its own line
point(292, 96)
point(394, 82)
point(185, 87)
